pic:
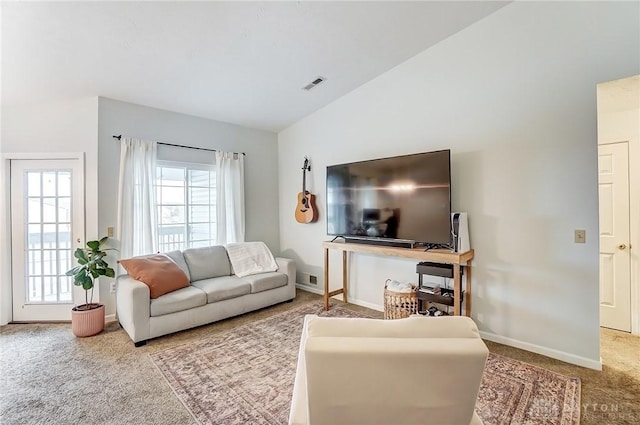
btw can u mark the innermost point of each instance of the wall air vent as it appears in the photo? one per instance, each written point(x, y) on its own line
point(314, 83)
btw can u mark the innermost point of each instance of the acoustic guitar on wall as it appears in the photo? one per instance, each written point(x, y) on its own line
point(306, 209)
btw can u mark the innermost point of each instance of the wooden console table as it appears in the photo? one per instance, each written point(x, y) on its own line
point(435, 255)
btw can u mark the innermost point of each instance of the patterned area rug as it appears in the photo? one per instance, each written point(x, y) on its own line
point(245, 376)
point(517, 393)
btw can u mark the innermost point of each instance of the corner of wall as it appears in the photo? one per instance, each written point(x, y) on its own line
point(5, 248)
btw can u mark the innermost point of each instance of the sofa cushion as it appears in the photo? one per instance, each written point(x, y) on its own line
point(182, 299)
point(159, 272)
point(207, 262)
point(178, 258)
point(265, 281)
point(223, 288)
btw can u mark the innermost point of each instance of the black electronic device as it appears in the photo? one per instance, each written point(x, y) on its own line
point(435, 269)
point(405, 198)
point(433, 293)
point(397, 243)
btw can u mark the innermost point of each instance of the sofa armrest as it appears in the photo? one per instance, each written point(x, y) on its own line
point(298, 414)
point(288, 266)
point(133, 307)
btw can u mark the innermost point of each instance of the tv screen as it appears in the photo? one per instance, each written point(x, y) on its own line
point(399, 198)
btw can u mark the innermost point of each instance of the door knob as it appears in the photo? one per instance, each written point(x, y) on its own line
point(622, 246)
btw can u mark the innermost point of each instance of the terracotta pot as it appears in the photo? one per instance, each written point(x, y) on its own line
point(87, 322)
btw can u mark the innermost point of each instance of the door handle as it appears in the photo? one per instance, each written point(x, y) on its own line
point(622, 246)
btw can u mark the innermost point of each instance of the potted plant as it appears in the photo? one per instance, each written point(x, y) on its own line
point(88, 319)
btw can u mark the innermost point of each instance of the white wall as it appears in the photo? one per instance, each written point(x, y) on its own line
point(66, 126)
point(513, 97)
point(261, 162)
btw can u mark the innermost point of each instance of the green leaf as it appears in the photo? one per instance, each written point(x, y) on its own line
point(103, 240)
point(87, 285)
point(94, 245)
point(80, 254)
point(110, 272)
point(73, 271)
point(82, 281)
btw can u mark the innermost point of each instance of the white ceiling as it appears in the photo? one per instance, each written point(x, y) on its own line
point(239, 62)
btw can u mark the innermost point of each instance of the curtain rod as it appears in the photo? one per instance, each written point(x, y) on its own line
point(119, 137)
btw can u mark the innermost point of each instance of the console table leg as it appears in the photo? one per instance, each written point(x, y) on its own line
point(457, 286)
point(344, 276)
point(467, 297)
point(326, 279)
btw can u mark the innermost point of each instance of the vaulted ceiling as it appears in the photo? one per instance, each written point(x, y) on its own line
point(239, 62)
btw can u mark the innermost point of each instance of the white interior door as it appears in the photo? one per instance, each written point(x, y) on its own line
point(47, 221)
point(615, 271)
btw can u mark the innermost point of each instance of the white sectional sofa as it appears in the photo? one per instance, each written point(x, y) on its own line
point(214, 293)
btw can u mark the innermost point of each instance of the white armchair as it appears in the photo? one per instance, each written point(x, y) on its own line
point(413, 371)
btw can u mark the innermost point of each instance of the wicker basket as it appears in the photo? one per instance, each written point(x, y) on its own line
point(398, 305)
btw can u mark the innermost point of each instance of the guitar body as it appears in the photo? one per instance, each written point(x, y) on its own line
point(306, 211)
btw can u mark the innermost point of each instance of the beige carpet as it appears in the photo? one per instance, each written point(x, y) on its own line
point(246, 376)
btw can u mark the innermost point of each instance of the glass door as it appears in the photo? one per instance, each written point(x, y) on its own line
point(47, 225)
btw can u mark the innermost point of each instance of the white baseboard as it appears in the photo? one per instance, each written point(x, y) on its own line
point(366, 304)
point(311, 289)
point(351, 300)
point(110, 318)
point(549, 352)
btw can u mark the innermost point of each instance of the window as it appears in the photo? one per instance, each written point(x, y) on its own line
point(186, 197)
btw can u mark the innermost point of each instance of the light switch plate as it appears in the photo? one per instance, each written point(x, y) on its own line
point(580, 236)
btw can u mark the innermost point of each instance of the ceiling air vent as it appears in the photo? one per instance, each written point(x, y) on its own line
point(314, 83)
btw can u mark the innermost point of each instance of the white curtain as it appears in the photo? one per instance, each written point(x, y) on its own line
point(229, 197)
point(137, 215)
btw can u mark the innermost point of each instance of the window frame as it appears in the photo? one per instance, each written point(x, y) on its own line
point(186, 240)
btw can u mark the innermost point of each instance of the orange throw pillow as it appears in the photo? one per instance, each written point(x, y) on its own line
point(159, 272)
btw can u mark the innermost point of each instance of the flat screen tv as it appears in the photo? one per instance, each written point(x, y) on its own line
point(395, 201)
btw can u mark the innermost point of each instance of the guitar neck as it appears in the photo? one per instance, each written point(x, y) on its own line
point(304, 181)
